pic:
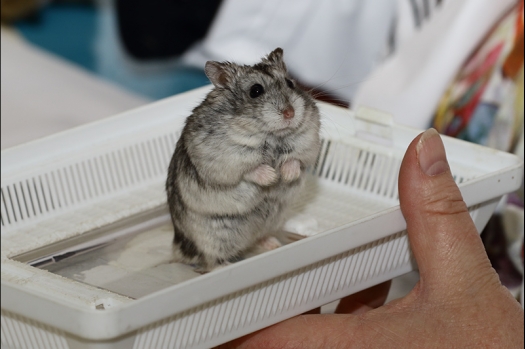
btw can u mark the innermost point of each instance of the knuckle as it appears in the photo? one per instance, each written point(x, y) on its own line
point(446, 200)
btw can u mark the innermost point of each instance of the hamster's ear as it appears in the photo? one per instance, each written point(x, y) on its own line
point(276, 58)
point(218, 73)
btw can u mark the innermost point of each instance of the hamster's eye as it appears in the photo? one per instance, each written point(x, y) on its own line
point(289, 83)
point(256, 90)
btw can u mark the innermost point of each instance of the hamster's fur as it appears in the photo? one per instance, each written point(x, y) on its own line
point(240, 160)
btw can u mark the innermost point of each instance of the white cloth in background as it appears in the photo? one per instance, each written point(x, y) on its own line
point(333, 43)
point(410, 83)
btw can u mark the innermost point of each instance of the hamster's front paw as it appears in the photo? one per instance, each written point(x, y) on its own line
point(264, 175)
point(291, 170)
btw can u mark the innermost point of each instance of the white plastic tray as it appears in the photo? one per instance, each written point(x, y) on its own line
point(105, 182)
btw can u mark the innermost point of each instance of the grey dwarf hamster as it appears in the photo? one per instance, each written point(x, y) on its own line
point(240, 160)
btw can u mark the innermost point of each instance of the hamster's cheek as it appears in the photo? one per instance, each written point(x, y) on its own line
point(299, 107)
point(272, 119)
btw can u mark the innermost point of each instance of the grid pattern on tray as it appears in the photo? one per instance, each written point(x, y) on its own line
point(21, 332)
point(85, 180)
point(358, 168)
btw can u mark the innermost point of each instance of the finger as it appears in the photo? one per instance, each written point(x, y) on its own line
point(365, 300)
point(443, 237)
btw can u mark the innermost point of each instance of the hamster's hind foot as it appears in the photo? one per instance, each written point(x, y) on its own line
point(269, 243)
point(204, 270)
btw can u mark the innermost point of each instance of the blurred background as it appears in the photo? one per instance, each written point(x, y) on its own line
point(456, 65)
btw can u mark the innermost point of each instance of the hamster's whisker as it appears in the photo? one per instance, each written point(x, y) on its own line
point(317, 92)
point(339, 126)
point(331, 99)
point(352, 83)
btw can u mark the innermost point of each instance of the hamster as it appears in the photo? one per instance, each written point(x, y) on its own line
point(240, 160)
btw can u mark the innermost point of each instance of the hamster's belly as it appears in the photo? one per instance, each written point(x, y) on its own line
point(227, 235)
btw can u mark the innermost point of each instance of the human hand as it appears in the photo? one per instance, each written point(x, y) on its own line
point(459, 301)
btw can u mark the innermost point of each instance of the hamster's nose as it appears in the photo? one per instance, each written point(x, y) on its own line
point(288, 113)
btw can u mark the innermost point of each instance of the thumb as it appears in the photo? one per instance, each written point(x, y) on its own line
point(443, 237)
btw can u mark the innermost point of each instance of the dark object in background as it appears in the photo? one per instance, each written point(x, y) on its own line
point(13, 10)
point(493, 237)
point(157, 29)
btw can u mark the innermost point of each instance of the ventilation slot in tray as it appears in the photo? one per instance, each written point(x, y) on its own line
point(358, 168)
point(86, 180)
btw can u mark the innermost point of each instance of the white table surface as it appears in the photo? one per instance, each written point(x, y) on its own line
point(43, 94)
